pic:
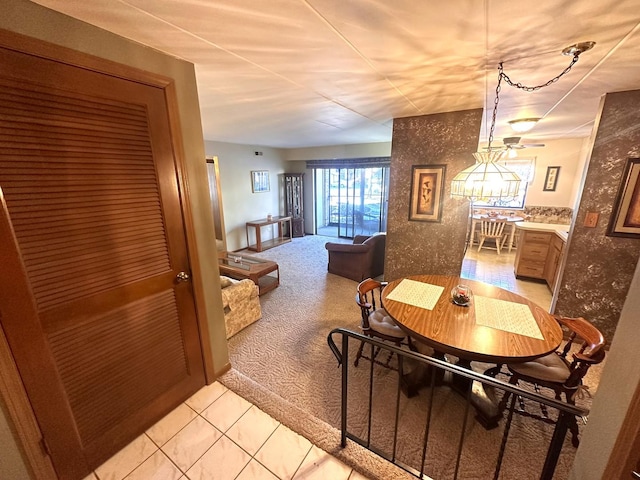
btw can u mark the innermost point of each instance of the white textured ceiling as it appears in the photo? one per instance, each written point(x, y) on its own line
point(297, 73)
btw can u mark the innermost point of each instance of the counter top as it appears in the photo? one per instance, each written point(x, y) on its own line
point(561, 230)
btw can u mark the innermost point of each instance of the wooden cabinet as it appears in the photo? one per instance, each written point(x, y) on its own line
point(553, 261)
point(293, 191)
point(531, 255)
point(538, 256)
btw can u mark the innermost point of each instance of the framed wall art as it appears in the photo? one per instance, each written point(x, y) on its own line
point(427, 187)
point(551, 180)
point(625, 216)
point(260, 181)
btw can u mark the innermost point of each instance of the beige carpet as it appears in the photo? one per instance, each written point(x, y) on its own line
point(283, 365)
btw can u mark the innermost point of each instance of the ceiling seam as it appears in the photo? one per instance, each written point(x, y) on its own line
point(240, 57)
point(359, 53)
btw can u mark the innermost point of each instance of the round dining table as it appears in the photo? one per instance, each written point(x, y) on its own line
point(460, 331)
point(450, 328)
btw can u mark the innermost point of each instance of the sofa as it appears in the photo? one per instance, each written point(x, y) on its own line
point(240, 302)
point(362, 259)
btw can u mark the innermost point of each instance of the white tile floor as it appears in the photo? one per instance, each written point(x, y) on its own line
point(218, 435)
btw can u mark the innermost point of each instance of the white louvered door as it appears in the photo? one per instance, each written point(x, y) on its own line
point(101, 326)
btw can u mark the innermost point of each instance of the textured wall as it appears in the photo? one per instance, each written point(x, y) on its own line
point(415, 247)
point(599, 269)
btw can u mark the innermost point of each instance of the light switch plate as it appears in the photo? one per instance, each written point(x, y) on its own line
point(591, 219)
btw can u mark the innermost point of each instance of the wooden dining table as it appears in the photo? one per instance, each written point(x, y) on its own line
point(497, 327)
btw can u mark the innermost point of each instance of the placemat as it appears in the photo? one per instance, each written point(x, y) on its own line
point(508, 316)
point(418, 294)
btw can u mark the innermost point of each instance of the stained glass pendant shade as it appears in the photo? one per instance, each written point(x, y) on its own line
point(486, 179)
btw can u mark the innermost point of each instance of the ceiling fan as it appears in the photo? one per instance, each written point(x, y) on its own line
point(514, 142)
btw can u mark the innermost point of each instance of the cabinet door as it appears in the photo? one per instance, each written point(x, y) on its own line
point(553, 261)
point(532, 255)
point(294, 203)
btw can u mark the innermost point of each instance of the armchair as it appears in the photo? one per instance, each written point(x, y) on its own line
point(240, 302)
point(362, 259)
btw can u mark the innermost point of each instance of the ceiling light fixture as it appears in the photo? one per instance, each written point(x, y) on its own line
point(487, 178)
point(522, 125)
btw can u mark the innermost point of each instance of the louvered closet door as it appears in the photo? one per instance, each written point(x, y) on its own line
point(104, 335)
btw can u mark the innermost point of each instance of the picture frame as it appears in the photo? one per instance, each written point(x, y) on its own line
point(551, 179)
point(427, 188)
point(625, 216)
point(260, 181)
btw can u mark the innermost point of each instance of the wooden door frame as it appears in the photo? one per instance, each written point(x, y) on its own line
point(13, 396)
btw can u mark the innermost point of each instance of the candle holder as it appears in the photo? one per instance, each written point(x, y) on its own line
point(461, 295)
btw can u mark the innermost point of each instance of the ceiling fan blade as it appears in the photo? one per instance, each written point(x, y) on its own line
point(511, 141)
point(532, 145)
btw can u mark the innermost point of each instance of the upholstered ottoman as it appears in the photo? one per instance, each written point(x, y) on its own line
point(240, 302)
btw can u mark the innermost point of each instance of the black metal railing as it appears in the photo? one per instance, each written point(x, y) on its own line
point(438, 368)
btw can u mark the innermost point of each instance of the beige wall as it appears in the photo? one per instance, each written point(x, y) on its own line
point(360, 150)
point(620, 378)
point(11, 467)
point(33, 20)
point(570, 155)
point(240, 204)
point(236, 162)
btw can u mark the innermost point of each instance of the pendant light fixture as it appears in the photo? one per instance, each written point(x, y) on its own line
point(487, 178)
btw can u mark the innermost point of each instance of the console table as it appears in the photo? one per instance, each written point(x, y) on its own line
point(284, 232)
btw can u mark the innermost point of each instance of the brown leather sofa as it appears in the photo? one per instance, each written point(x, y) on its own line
point(362, 259)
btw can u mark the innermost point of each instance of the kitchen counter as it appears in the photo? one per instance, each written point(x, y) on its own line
point(562, 230)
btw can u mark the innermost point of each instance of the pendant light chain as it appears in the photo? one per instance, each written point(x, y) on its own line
point(502, 75)
point(495, 107)
point(488, 178)
point(537, 87)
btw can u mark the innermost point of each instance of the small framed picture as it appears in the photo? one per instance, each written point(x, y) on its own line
point(551, 180)
point(260, 181)
point(427, 186)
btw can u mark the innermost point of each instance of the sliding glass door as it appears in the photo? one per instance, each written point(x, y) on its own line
point(351, 201)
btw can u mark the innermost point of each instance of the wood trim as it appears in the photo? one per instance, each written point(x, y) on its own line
point(11, 389)
point(14, 397)
point(219, 373)
point(33, 46)
point(622, 460)
point(192, 251)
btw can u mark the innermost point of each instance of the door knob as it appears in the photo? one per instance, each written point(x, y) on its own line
point(182, 277)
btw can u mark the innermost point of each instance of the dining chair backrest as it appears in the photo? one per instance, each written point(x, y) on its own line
point(492, 227)
point(591, 349)
point(375, 320)
point(561, 374)
point(368, 298)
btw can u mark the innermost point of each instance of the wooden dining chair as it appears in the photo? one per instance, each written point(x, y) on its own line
point(557, 372)
point(376, 322)
point(492, 229)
